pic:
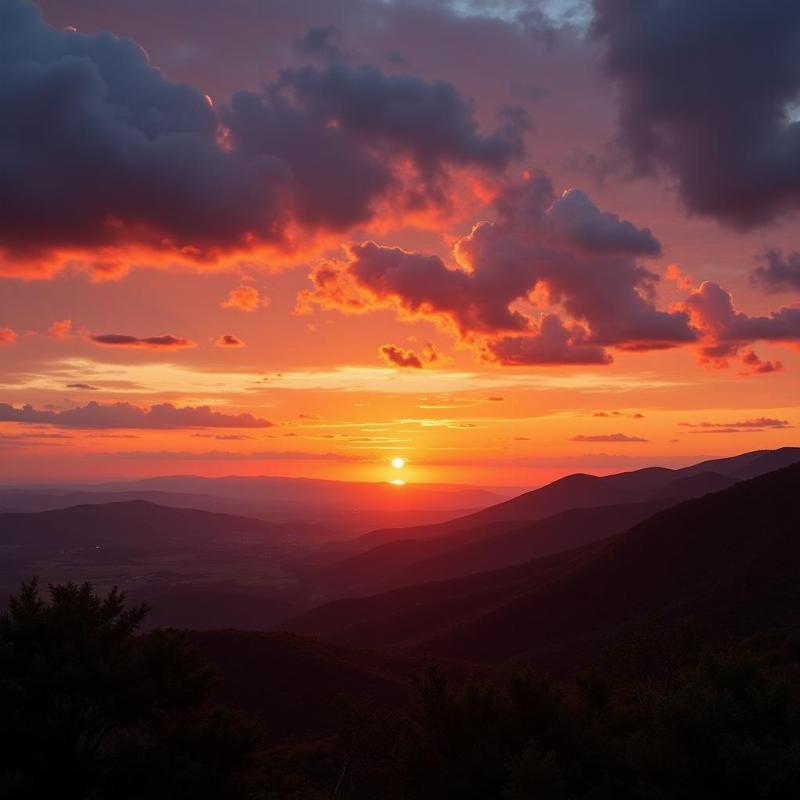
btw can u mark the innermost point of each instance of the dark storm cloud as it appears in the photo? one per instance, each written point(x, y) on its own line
point(97, 147)
point(430, 121)
point(343, 126)
point(706, 92)
point(321, 42)
point(780, 272)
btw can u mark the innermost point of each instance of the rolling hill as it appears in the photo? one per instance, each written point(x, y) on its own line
point(200, 569)
point(478, 549)
point(590, 491)
point(584, 509)
point(731, 559)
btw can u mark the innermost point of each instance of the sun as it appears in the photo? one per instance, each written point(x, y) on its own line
point(398, 463)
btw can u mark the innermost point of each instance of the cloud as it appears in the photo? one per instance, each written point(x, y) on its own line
point(322, 42)
point(402, 357)
point(164, 342)
point(780, 273)
point(229, 340)
point(225, 455)
point(7, 336)
point(83, 386)
point(753, 425)
point(59, 329)
point(129, 163)
point(163, 416)
point(757, 366)
point(542, 250)
point(245, 298)
point(724, 330)
point(611, 437)
point(706, 92)
point(399, 356)
point(353, 126)
point(554, 343)
point(495, 399)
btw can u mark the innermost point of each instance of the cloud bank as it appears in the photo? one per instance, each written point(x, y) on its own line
point(103, 155)
point(707, 91)
point(163, 416)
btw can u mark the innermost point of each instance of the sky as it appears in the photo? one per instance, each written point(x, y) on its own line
point(502, 240)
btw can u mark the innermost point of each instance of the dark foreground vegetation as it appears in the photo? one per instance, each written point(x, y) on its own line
point(93, 710)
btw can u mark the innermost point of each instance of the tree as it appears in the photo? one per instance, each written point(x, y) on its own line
point(94, 710)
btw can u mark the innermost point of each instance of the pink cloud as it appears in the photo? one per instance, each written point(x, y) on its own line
point(161, 416)
point(229, 340)
point(542, 249)
point(166, 341)
point(724, 330)
point(7, 336)
point(59, 329)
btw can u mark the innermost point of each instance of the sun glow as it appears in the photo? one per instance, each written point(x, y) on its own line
point(398, 463)
point(398, 482)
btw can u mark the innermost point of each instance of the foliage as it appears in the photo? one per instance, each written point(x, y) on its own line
point(93, 710)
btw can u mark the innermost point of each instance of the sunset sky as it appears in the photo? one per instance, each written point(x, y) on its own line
point(501, 240)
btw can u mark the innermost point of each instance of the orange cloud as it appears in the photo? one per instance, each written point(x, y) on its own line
point(402, 357)
point(60, 329)
point(562, 250)
point(7, 336)
point(245, 298)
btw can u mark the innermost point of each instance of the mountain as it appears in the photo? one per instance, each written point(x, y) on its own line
point(127, 523)
point(590, 491)
point(329, 509)
point(476, 549)
point(730, 559)
point(198, 568)
point(567, 513)
point(285, 492)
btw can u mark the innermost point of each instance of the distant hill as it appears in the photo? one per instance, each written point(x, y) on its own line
point(198, 568)
point(731, 559)
point(278, 491)
point(567, 513)
point(327, 509)
point(485, 547)
point(590, 491)
point(125, 523)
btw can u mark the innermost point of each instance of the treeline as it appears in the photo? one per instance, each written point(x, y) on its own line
point(92, 710)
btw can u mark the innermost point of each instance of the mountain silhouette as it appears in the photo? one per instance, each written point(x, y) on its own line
point(731, 559)
point(485, 547)
point(590, 491)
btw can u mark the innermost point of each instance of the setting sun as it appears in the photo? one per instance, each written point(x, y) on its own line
point(398, 463)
